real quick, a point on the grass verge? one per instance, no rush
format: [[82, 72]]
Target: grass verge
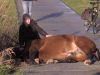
[[77, 5], [5, 69], [8, 23], [8, 28]]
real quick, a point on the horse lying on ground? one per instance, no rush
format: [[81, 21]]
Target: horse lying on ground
[[63, 48], [59, 48]]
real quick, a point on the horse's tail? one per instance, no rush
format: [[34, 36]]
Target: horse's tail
[[97, 54]]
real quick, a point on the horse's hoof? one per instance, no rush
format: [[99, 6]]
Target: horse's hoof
[[37, 61], [87, 62], [55, 61], [51, 61]]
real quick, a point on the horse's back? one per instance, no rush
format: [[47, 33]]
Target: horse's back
[[85, 44]]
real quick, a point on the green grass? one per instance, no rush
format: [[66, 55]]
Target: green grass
[[77, 5], [8, 15], [5, 69]]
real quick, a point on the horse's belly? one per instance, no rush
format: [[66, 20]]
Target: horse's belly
[[52, 55]]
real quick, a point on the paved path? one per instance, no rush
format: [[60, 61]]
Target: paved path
[[62, 69], [56, 18]]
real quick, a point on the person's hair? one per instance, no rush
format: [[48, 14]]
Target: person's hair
[[25, 16]]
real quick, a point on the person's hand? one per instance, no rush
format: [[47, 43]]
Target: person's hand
[[49, 35]]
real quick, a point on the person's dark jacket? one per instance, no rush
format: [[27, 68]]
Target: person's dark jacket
[[30, 33]]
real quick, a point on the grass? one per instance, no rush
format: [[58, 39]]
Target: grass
[[77, 5], [8, 28], [5, 69], [8, 23]]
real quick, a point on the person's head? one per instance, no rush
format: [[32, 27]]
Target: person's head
[[26, 19]]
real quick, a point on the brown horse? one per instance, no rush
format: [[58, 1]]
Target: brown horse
[[64, 48]]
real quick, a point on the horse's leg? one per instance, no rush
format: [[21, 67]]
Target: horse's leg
[[97, 54], [82, 57], [51, 61], [87, 62], [90, 59], [70, 58], [93, 57], [37, 61], [33, 55]]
